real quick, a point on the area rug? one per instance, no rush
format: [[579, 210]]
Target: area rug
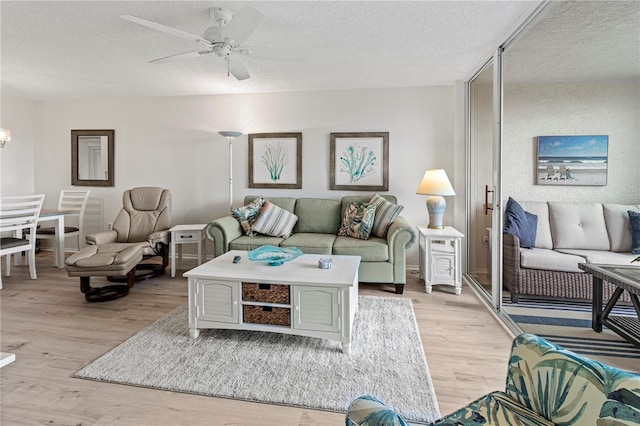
[[386, 360], [568, 324]]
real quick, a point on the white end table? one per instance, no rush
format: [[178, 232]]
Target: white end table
[[187, 234], [440, 261]]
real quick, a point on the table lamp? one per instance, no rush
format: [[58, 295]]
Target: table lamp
[[435, 183], [230, 135]]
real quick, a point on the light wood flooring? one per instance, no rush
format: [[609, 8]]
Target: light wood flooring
[[54, 332]]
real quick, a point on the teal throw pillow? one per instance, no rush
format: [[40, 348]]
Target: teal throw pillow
[[386, 213], [634, 218], [358, 220], [520, 223], [247, 215]]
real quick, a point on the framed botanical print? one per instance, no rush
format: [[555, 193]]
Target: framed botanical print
[[275, 160], [360, 161]]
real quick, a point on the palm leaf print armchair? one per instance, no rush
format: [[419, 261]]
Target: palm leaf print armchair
[[546, 385]]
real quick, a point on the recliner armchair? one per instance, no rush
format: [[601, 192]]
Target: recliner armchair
[[145, 218]]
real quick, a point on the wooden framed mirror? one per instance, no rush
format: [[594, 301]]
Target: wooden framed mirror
[[92, 157]]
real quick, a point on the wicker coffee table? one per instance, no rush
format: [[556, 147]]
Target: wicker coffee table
[[625, 278], [294, 298]]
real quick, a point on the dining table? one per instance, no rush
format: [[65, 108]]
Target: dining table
[[57, 216]]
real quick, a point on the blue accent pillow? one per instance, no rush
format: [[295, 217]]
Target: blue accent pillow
[[520, 223], [634, 218]]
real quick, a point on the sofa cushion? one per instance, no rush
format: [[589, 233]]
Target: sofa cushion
[[317, 215], [386, 213], [520, 223], [550, 260], [247, 214], [601, 256], [374, 249], [311, 243], [358, 221], [634, 220], [616, 218], [578, 226], [543, 229], [274, 221], [251, 243]]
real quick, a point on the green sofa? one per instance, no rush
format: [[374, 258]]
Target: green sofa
[[546, 385], [383, 260]]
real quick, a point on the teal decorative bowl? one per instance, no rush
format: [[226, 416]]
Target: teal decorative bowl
[[274, 256]]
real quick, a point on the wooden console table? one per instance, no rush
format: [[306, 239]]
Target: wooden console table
[[625, 278]]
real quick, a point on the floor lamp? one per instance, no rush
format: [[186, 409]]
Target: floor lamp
[[230, 137]]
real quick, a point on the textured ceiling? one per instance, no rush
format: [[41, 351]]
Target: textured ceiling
[[71, 49], [579, 41], [63, 50]]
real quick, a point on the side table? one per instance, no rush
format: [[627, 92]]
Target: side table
[[187, 234], [439, 257]]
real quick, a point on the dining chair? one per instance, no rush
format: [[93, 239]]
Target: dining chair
[[19, 214], [74, 201]]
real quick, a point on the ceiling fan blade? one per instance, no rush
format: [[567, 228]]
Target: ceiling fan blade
[[179, 56], [243, 24], [271, 53], [166, 29], [237, 69]]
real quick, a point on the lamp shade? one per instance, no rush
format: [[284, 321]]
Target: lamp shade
[[229, 134], [435, 182]]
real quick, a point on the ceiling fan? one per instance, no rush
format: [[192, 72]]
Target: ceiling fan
[[223, 39]]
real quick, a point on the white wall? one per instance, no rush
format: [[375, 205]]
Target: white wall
[[17, 157], [589, 108], [172, 142]]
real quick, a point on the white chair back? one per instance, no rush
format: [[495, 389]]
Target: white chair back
[[18, 218], [74, 201]]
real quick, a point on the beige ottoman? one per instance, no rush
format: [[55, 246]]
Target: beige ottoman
[[110, 260]]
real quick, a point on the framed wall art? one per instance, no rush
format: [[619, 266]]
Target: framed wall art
[[572, 160], [275, 160], [360, 161]]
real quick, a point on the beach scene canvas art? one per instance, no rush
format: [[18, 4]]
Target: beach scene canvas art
[[572, 160]]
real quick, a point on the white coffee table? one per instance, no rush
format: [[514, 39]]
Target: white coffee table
[[294, 298]]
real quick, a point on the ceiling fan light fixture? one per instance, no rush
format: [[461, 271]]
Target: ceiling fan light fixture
[[213, 34], [222, 49]]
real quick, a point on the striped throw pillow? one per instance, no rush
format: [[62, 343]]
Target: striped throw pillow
[[274, 221], [386, 213]]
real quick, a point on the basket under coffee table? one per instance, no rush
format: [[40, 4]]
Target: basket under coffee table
[[294, 298]]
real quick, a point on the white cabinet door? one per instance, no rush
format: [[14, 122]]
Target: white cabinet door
[[316, 308], [218, 301], [443, 268]]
